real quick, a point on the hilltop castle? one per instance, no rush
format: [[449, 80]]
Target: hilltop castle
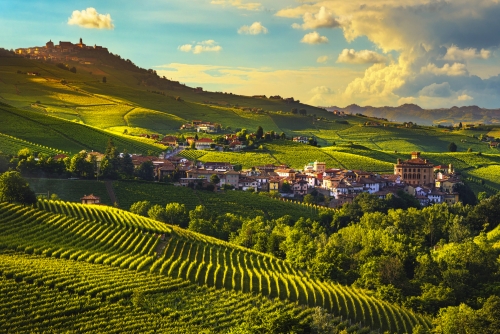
[[51, 51]]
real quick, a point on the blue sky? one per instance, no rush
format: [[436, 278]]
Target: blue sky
[[333, 52]]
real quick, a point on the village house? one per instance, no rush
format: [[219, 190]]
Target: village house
[[91, 199], [169, 141], [285, 173], [203, 143], [218, 166], [231, 178], [301, 139], [300, 188], [247, 182]]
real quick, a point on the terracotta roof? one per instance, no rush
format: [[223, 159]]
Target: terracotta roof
[[91, 196], [205, 140]]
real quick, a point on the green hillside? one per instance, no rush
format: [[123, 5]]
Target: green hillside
[[106, 243], [138, 101]]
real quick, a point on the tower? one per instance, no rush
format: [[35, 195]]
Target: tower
[[81, 42]]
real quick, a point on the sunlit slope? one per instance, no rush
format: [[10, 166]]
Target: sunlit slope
[[60, 134], [102, 235]]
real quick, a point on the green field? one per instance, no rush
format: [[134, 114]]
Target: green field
[[67, 254]]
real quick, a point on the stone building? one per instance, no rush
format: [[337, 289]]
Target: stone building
[[415, 171]]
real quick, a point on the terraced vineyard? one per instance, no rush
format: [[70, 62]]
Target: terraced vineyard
[[114, 243], [40, 293], [236, 202]]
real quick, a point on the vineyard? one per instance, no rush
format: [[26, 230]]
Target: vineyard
[[40, 294], [64, 135], [142, 257], [236, 202], [12, 145]]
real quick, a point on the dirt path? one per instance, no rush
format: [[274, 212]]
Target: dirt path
[[111, 192]]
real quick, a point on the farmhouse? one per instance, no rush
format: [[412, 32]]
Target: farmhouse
[[90, 199], [301, 139], [203, 143]]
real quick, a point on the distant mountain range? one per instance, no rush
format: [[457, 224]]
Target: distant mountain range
[[414, 113]]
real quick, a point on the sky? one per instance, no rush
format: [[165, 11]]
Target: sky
[[433, 53]]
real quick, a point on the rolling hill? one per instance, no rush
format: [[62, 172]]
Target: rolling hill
[[46, 250]]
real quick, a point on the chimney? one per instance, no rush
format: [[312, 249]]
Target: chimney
[[399, 161]]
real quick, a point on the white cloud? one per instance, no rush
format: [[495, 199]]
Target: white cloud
[[186, 47], [199, 47], [465, 97], [322, 59], [454, 53], [238, 4], [314, 38], [91, 19], [254, 29], [323, 19], [350, 56], [457, 69]]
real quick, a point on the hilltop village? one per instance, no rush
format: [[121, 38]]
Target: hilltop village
[[330, 186], [61, 51]]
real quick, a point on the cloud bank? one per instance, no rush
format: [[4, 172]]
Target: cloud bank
[[89, 18], [434, 42]]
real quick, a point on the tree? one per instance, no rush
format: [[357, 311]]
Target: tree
[[294, 111], [13, 188], [460, 125], [176, 214], [146, 171], [465, 193], [104, 80], [140, 208], [260, 132], [452, 147], [127, 166], [73, 69], [214, 179], [303, 112], [286, 187], [157, 212], [309, 199]]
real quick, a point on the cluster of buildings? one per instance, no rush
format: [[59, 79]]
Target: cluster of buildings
[[416, 176], [62, 51], [201, 126]]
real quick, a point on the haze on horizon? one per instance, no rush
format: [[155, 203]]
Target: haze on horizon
[[334, 52]]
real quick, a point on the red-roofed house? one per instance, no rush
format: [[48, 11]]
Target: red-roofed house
[[90, 199]]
